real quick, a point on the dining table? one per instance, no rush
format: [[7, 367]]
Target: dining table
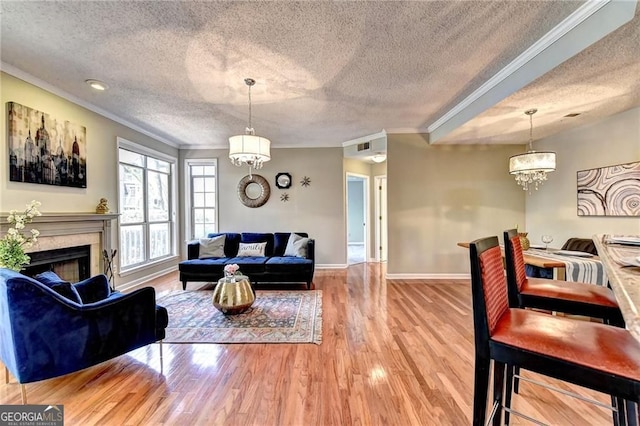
[[565, 267], [620, 256], [574, 266]]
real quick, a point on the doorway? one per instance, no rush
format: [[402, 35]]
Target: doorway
[[357, 218]]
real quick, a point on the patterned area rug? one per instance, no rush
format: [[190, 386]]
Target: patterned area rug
[[275, 317]]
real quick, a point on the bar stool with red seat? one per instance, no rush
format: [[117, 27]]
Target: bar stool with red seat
[[554, 295], [592, 355]]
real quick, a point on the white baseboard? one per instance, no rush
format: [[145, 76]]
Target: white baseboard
[[331, 266], [428, 276], [131, 285]]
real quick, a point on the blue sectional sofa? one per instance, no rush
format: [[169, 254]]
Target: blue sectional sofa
[[274, 266]]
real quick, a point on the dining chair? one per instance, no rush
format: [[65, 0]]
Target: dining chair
[[588, 354], [572, 298]]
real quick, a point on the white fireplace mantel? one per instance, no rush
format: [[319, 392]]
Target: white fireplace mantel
[[58, 230]]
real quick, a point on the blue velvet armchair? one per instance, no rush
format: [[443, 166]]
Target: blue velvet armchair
[[49, 327]]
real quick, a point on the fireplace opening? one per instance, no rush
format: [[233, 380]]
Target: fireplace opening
[[70, 263]]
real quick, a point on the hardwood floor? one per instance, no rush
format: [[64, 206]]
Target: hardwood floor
[[393, 353]]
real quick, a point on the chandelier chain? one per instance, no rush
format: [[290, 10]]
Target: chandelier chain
[[250, 126], [530, 123]]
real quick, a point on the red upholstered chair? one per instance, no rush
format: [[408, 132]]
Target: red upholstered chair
[[592, 355], [553, 295], [560, 296]]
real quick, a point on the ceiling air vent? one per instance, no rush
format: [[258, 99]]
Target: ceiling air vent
[[363, 146]]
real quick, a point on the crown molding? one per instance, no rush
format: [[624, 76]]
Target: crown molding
[[409, 276], [22, 75], [586, 25]]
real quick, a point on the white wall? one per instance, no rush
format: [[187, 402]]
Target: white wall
[[441, 195], [553, 210], [102, 156], [437, 195], [102, 160], [317, 209]]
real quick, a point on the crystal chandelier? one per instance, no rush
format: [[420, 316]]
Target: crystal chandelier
[[249, 149], [531, 168]]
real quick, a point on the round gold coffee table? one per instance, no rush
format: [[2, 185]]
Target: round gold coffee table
[[233, 294]]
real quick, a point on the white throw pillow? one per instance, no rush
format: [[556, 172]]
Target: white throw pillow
[[212, 247], [296, 246], [251, 249]]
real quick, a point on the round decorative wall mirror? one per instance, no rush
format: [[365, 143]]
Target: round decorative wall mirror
[[283, 180], [253, 191]]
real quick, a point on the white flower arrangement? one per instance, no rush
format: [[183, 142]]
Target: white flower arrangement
[[12, 245]]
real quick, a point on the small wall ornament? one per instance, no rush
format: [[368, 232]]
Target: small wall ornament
[[284, 197], [283, 180], [102, 207], [306, 181]]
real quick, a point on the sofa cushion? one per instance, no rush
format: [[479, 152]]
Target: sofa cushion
[[251, 249], [49, 278], [250, 264], [93, 289], [296, 246], [212, 247], [232, 239], [288, 264], [259, 237], [60, 286], [280, 240], [214, 265]]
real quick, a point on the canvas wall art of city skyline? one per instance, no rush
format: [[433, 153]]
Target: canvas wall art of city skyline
[[45, 149]]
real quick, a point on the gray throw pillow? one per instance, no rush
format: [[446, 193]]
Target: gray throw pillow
[[212, 247], [296, 246]]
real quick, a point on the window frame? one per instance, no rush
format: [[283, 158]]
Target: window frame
[[146, 223], [189, 225]]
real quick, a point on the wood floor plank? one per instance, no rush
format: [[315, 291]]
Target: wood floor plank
[[393, 353]]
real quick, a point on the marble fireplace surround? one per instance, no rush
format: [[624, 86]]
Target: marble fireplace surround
[[62, 230]]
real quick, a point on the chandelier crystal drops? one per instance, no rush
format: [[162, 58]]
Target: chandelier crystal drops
[[249, 149], [531, 168]]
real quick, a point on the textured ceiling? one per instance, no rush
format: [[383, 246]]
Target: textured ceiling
[[327, 72], [602, 80]]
